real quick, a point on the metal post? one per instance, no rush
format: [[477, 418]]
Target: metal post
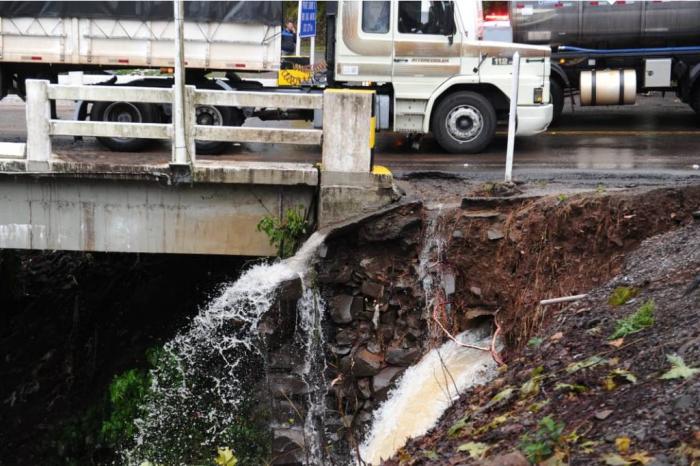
[[311, 54], [298, 41], [512, 119], [38, 124], [180, 151]]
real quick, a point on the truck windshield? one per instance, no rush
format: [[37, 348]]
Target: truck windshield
[[423, 17], [375, 16]]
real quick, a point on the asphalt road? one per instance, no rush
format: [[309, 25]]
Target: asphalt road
[[658, 138]]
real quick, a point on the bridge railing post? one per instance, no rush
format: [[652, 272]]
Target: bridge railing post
[[38, 124], [347, 131]]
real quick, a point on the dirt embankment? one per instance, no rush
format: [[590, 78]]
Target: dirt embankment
[[571, 393]]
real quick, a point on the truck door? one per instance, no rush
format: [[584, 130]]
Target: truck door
[[364, 44], [427, 49]]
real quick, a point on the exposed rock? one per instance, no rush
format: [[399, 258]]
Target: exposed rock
[[288, 445], [510, 459], [345, 337], [374, 347], [362, 364], [372, 289], [402, 357], [457, 234], [363, 388], [341, 308], [475, 290], [495, 233], [481, 214], [390, 226], [336, 273], [290, 290], [287, 384], [385, 378]]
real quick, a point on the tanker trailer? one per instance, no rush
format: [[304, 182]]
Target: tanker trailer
[[608, 52]]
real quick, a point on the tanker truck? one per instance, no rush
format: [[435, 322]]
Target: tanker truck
[[608, 52], [425, 59]]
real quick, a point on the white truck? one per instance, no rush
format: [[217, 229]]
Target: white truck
[[425, 59]]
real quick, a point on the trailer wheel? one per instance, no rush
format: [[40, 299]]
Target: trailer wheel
[[557, 93], [464, 122], [210, 115], [695, 99], [123, 112]]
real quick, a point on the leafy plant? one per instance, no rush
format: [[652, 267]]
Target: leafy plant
[[621, 295], [542, 444], [126, 393], [635, 322], [679, 369], [285, 234], [535, 342]]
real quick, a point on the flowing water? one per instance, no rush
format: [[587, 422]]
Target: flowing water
[[208, 373], [425, 391]]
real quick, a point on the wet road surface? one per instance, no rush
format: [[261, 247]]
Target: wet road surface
[[656, 139]]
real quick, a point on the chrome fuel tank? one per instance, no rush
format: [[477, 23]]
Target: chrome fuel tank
[[599, 24]]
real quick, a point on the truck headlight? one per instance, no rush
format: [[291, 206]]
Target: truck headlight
[[537, 95]]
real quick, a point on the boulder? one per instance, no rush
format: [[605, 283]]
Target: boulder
[[402, 357], [372, 289], [383, 380], [341, 308], [362, 363], [389, 227]]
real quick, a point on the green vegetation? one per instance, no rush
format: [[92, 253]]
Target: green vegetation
[[621, 295], [126, 392], [542, 444], [639, 320], [287, 234]]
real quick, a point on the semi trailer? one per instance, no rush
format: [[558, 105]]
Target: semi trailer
[[426, 60], [609, 52]]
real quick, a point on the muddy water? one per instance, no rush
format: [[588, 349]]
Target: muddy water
[[425, 391]]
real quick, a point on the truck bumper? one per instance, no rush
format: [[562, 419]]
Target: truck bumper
[[534, 119]]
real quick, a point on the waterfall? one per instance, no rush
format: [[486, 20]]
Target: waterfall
[[429, 387], [206, 372]]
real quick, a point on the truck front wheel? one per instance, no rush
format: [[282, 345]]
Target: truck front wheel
[[464, 122], [123, 112]]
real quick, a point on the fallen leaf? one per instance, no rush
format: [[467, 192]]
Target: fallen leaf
[[603, 414], [679, 370], [457, 426], [588, 446], [586, 363], [430, 454], [622, 444], [624, 374], [613, 459], [476, 450], [641, 457], [557, 459], [557, 336], [504, 394], [577, 388], [225, 457], [535, 342], [609, 384], [531, 387], [617, 343]]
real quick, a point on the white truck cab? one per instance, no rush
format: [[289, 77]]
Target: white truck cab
[[442, 78]]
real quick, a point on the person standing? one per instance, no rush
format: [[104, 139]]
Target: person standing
[[289, 38]]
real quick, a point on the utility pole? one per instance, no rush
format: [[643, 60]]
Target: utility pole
[[512, 118], [180, 155], [298, 37]]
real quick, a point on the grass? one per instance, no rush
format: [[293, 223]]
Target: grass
[[635, 322]]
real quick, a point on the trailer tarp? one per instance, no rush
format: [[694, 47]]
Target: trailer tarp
[[259, 12]]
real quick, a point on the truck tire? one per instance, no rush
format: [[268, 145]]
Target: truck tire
[[125, 112], [557, 93], [210, 115], [464, 122], [695, 99]]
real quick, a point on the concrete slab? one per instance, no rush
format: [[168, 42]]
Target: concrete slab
[[13, 150]]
